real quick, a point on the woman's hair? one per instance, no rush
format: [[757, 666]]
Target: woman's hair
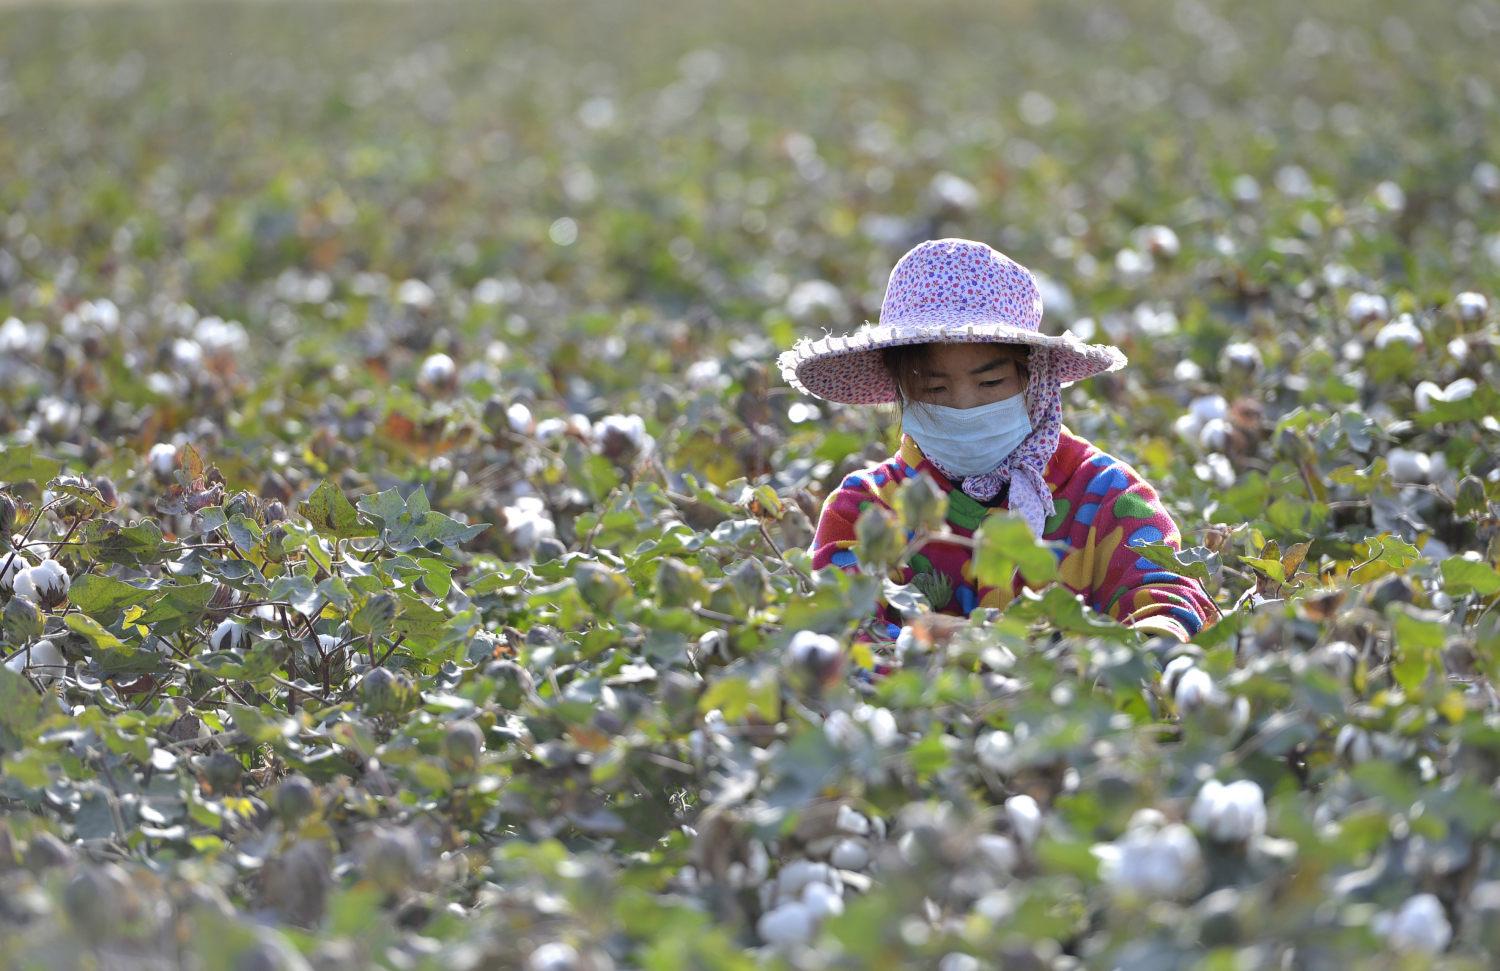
[[908, 364]]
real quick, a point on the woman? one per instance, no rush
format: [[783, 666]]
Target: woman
[[979, 387]]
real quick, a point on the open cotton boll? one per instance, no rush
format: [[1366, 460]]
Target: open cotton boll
[[1231, 813], [1363, 308], [1154, 863], [42, 660], [1025, 818], [11, 563], [1214, 435], [230, 635], [1402, 330], [1409, 466], [45, 584], [553, 956], [787, 925], [1353, 745], [1195, 689], [527, 523], [994, 750], [1471, 306], [1419, 926], [162, 459]]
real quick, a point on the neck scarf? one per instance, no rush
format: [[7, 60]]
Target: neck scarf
[[1025, 467]]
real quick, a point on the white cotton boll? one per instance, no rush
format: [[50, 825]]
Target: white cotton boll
[[437, 373], [1195, 689], [994, 750], [1186, 371], [959, 961], [220, 337], [851, 820], [162, 459], [1353, 745], [230, 635], [187, 354], [1154, 863], [1409, 466], [1025, 818], [813, 300], [954, 191], [1364, 308], [1229, 814], [1174, 670], [1245, 189], [788, 925], [881, 724], [11, 563], [1161, 242], [1215, 468], [849, 854], [822, 900], [1424, 394], [620, 436], [841, 730], [1460, 390], [1419, 926], [549, 428], [1402, 330], [998, 852], [1390, 196], [415, 293], [1241, 356], [43, 661], [1208, 407], [799, 873], [1471, 306], [706, 374], [527, 523], [1214, 435], [45, 584], [518, 416], [1131, 266], [554, 956], [1187, 427], [813, 651]]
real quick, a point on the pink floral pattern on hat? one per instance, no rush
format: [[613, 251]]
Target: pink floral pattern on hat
[[941, 290]]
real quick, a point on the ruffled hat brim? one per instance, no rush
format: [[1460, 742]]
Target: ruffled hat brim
[[847, 368]]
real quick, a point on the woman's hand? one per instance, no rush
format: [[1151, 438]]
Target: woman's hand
[[932, 629]]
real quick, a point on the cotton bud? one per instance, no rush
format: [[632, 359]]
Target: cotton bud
[[1161, 242], [1402, 330], [816, 656], [1419, 926], [162, 459], [462, 744], [385, 692], [97, 900], [391, 857], [1471, 501], [1025, 818], [1471, 306], [438, 375], [1353, 745], [294, 799], [878, 538], [231, 635], [599, 586], [42, 660], [1229, 814], [45, 584]]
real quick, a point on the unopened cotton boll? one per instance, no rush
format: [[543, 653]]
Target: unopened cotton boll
[[1025, 818], [230, 635], [1471, 306], [438, 373], [1419, 926], [1232, 813], [45, 584], [42, 660]]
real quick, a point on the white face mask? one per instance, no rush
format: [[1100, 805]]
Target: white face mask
[[968, 441]]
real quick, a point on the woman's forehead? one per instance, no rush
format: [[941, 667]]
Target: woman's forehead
[[964, 354]]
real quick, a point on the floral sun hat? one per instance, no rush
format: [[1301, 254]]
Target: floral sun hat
[[941, 290]]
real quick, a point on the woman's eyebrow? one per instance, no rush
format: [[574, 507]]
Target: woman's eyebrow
[[940, 375]]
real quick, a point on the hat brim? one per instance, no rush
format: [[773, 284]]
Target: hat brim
[[847, 368]]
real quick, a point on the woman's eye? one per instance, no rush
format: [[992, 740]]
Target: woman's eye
[[991, 384], [933, 390]]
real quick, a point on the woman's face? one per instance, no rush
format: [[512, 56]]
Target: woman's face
[[967, 375]]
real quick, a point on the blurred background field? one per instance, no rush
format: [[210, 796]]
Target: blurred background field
[[248, 233]]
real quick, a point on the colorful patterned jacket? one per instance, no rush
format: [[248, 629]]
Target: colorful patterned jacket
[[1103, 508]]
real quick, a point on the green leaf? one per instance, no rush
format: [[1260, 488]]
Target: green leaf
[[331, 513], [410, 523], [95, 633], [21, 710], [1004, 543], [21, 463], [177, 607], [105, 597], [1197, 562], [1461, 576], [135, 544]]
